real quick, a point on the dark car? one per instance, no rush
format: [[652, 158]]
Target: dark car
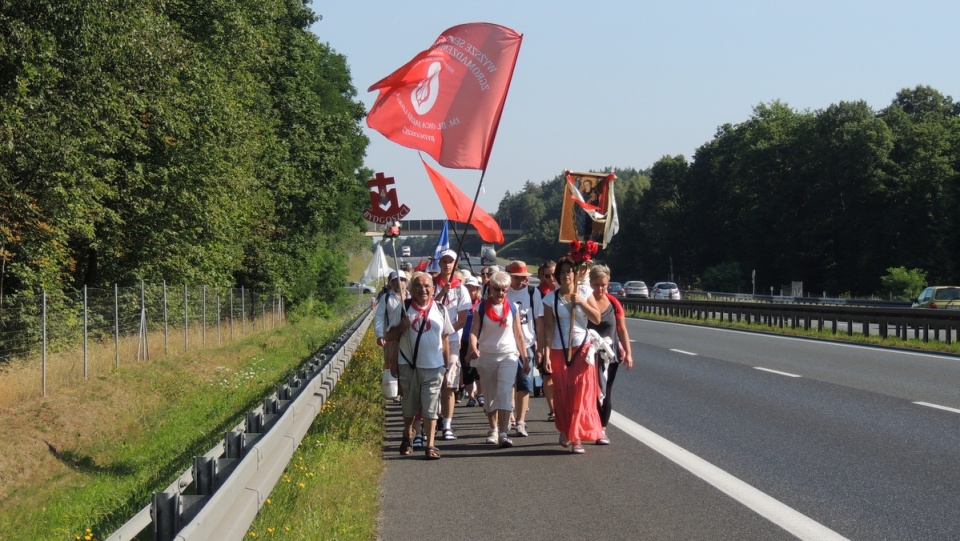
[[615, 289]]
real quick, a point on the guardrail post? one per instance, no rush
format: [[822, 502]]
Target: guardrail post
[[254, 422], [204, 475], [233, 444], [165, 509]]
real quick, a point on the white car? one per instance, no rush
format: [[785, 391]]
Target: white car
[[635, 289], [357, 288], [665, 290]]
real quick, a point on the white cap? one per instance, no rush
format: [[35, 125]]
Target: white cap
[[449, 253], [397, 274], [472, 281]]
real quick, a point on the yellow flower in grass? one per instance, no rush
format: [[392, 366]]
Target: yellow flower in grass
[[268, 500]]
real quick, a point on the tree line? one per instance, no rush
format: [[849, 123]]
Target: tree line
[[834, 198], [213, 142]]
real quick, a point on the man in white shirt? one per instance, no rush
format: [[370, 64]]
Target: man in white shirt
[[453, 296], [529, 307], [424, 357]]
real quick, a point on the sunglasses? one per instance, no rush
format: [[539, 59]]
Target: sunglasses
[[548, 275]]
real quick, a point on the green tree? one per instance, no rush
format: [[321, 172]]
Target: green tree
[[903, 284]]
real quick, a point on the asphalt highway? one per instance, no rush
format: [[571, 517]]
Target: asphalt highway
[[717, 434]]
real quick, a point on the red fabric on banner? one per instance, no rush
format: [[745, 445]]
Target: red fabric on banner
[[447, 101], [457, 206]]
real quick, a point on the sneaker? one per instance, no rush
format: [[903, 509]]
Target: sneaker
[[480, 400], [521, 430], [418, 441], [577, 449], [505, 441], [449, 435], [604, 440], [461, 392], [492, 436], [471, 402]]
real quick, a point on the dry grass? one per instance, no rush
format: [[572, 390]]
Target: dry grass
[[23, 379], [90, 453]]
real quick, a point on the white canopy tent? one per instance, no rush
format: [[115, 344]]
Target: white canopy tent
[[378, 267]]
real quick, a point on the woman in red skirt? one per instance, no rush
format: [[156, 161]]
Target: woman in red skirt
[[565, 354]]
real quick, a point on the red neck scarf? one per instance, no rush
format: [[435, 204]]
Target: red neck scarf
[[475, 303], [440, 282], [544, 289], [422, 314], [492, 314]]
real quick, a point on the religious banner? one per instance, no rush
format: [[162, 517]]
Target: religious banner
[[589, 209], [448, 100], [384, 206]]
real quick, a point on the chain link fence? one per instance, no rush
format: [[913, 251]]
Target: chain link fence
[[61, 338]]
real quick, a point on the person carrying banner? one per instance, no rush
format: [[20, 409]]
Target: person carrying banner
[[565, 354], [453, 296], [423, 333]]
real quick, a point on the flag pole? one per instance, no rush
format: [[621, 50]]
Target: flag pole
[[476, 196]]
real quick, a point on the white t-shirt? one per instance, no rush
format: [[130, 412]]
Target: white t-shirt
[[496, 340], [430, 351], [389, 309], [562, 314], [457, 300], [527, 313]]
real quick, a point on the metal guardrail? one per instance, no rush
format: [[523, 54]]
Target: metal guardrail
[[941, 325], [219, 497], [788, 299]]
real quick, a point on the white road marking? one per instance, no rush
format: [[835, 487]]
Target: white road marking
[[929, 405], [826, 343], [788, 374], [684, 352], [773, 510]]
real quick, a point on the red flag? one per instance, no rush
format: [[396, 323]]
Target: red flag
[[457, 206], [447, 101]]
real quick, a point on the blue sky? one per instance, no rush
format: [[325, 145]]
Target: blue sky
[[623, 83]]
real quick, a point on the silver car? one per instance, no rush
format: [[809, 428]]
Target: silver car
[[666, 290], [357, 288], [635, 289]]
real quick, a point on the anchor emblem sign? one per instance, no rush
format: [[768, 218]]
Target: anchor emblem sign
[[384, 207]]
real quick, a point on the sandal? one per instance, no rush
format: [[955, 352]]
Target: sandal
[[432, 453], [405, 447], [551, 416]]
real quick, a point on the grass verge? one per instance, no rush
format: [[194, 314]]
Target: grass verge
[[80, 463], [330, 490]]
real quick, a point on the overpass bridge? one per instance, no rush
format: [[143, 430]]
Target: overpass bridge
[[432, 228]]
